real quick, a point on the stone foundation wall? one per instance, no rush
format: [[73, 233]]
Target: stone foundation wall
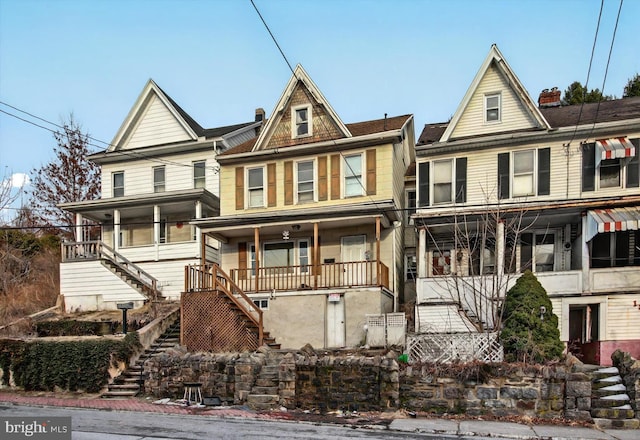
[[330, 381], [629, 368]]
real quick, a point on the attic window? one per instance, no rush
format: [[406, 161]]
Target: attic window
[[492, 108], [301, 121]]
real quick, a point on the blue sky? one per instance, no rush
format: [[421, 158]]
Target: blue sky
[[217, 61]]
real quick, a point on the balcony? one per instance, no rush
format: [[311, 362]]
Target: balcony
[[291, 278]]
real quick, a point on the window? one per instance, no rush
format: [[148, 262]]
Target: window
[[118, 184], [537, 251], [615, 249], [610, 173], [163, 230], [410, 265], [410, 205], [618, 172], [262, 303], [158, 179], [281, 257], [524, 173], [442, 181], [441, 263], [448, 182], [301, 125], [303, 256], [255, 177], [305, 184], [199, 175], [353, 175], [492, 108]]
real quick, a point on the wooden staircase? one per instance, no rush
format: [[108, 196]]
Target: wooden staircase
[[129, 383], [133, 279], [610, 403]]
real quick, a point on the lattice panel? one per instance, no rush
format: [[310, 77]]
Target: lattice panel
[[210, 323], [452, 347]]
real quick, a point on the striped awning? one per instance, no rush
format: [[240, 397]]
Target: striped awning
[[611, 220], [615, 148]]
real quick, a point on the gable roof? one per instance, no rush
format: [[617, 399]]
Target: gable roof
[[313, 95], [495, 58], [356, 129]]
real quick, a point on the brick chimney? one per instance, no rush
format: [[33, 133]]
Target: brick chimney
[[549, 98]]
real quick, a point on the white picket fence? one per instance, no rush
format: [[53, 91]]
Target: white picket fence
[[454, 347]]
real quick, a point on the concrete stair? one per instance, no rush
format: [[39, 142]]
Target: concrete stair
[[610, 403], [264, 394], [129, 383]]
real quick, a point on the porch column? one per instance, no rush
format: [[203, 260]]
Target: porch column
[[500, 250], [116, 230], [586, 285], [378, 260], [200, 240], [78, 227], [156, 230], [256, 240], [422, 249], [316, 263]]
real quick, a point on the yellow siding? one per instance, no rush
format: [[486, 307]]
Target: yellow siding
[[156, 126], [514, 115], [622, 317]]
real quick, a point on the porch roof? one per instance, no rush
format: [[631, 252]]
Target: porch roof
[[100, 210], [225, 227]]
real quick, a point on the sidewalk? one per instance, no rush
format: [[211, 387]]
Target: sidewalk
[[479, 428]]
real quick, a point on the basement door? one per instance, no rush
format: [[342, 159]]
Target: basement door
[[353, 249], [335, 321]]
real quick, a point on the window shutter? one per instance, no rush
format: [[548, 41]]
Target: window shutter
[[335, 176], [242, 261], [423, 184], [633, 167], [371, 172], [461, 180], [322, 178], [589, 167], [239, 188], [544, 171], [288, 183], [271, 184], [503, 175], [526, 251]]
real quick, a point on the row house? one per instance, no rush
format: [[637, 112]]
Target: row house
[[311, 218], [508, 185], [159, 173]]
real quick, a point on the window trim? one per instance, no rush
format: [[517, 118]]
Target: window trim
[[488, 96], [249, 189], [314, 182], [294, 121], [159, 186], [115, 190], [196, 166], [347, 169]]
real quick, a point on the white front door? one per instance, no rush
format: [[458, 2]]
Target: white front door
[[335, 321], [353, 248]]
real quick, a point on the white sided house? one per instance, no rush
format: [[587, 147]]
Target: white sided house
[[158, 174], [508, 185]]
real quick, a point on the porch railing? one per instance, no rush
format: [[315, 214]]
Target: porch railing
[[327, 275], [97, 250], [200, 278]]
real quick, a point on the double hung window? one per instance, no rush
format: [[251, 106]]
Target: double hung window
[[118, 184], [255, 187], [353, 184], [442, 181], [301, 125], [158, 179], [492, 106], [199, 174], [524, 173], [305, 181]]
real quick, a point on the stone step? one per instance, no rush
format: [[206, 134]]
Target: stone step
[[613, 413], [617, 424], [262, 382], [121, 394], [610, 401], [262, 402], [610, 390], [607, 381], [124, 387], [268, 390]]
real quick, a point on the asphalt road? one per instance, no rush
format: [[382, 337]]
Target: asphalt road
[[111, 425]]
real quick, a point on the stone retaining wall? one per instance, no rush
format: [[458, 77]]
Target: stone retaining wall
[[630, 372], [329, 381]]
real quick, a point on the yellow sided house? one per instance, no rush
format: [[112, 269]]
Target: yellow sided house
[[508, 185], [158, 174], [310, 222]]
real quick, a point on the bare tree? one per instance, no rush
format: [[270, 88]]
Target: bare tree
[[69, 177]]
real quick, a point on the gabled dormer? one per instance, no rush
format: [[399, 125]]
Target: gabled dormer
[[496, 102], [155, 119], [301, 116]]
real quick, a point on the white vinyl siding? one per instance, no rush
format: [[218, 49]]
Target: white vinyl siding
[[514, 116], [156, 126], [178, 175], [620, 316]]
